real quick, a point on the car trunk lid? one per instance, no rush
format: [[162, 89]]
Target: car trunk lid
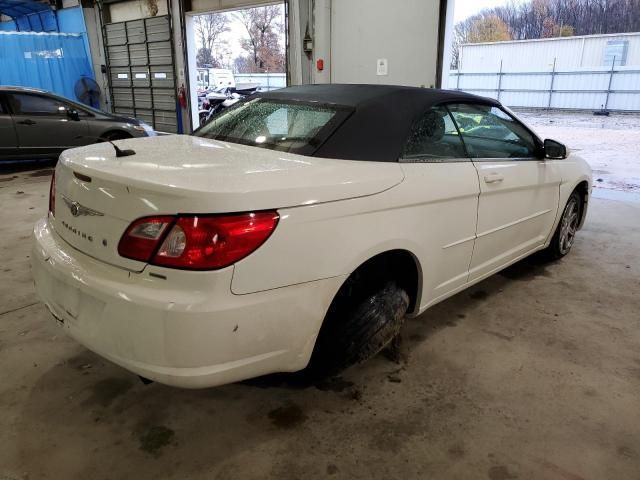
[[98, 194]]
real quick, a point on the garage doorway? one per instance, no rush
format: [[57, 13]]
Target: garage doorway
[[236, 51], [141, 70]]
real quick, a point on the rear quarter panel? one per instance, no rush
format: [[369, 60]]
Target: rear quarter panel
[[431, 214]]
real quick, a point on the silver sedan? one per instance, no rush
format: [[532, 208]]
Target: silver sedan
[[38, 124]]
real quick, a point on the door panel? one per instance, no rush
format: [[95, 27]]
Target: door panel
[[445, 186], [8, 138], [42, 124], [518, 192], [517, 208], [49, 133], [445, 213]]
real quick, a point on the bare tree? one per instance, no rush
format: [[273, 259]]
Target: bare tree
[[264, 29], [208, 29]]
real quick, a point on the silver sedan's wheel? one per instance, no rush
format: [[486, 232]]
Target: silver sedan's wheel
[[569, 226]]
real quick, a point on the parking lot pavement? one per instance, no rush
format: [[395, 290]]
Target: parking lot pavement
[[609, 144], [534, 373]]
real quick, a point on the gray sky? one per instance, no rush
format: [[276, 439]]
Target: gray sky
[[466, 8]]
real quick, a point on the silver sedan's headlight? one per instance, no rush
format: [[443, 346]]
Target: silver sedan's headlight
[[143, 127]]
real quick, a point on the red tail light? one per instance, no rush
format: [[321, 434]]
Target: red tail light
[[196, 242], [140, 241], [52, 195]]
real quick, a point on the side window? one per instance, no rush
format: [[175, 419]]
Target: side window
[[31, 104], [490, 132], [434, 137]]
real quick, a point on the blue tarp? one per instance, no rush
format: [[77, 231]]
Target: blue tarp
[[30, 15], [50, 61]]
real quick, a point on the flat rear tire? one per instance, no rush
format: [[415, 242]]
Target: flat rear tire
[[362, 321]]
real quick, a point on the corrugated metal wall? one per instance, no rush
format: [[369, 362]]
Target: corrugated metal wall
[[585, 89], [566, 73], [538, 55]]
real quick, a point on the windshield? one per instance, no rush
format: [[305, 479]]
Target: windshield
[[283, 125]]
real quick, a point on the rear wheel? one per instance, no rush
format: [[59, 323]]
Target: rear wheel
[[363, 319], [565, 233]]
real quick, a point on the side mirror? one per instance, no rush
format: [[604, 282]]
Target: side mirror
[[73, 114], [554, 150]]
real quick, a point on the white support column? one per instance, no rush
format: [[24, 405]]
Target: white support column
[[448, 42], [94, 35], [321, 41], [295, 43], [193, 68]]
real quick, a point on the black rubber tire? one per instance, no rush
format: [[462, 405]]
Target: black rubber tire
[[361, 322], [555, 251]]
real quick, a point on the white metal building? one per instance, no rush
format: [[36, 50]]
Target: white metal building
[[570, 53], [585, 73]]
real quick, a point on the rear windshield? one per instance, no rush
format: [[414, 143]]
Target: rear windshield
[[289, 126]]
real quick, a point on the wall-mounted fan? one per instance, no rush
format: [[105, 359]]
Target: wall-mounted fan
[[88, 92]]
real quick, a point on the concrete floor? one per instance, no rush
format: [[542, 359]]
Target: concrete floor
[[533, 374]]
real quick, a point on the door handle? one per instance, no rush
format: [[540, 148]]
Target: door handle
[[27, 122], [493, 178]]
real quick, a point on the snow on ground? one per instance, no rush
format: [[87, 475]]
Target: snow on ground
[[611, 144]]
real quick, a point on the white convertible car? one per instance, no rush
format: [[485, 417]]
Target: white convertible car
[[297, 229]]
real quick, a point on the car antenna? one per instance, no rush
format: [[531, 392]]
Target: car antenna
[[119, 152]]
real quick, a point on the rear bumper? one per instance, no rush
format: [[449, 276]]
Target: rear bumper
[[187, 330]]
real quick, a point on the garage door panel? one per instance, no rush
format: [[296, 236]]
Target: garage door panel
[[120, 77], [123, 97], [140, 77], [146, 115], [158, 29], [166, 122], [118, 56], [164, 99], [160, 53], [162, 76], [127, 112], [135, 31], [142, 97], [116, 34], [138, 54]]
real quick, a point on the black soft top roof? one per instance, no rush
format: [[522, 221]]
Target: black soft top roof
[[381, 118]]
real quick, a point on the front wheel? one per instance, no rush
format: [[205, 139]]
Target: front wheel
[[565, 233]]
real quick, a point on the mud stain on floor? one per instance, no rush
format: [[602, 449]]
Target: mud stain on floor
[[335, 384], [502, 336], [479, 295], [527, 269], [290, 416], [500, 472], [155, 438], [106, 391]]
